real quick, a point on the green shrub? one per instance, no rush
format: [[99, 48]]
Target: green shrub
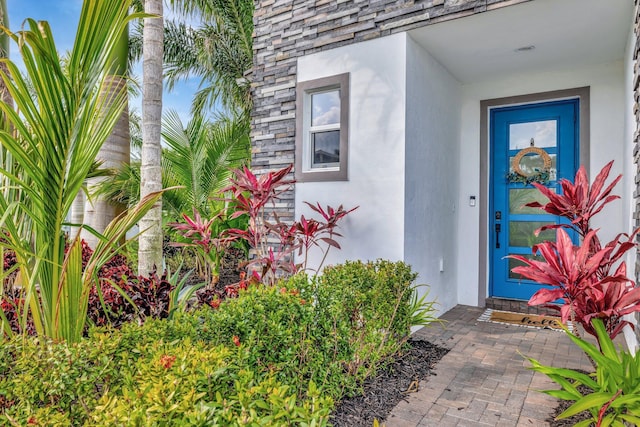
[[276, 355], [367, 307], [155, 374], [347, 321], [273, 327], [167, 385], [44, 379]]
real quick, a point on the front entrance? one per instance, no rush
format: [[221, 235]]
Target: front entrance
[[536, 142]]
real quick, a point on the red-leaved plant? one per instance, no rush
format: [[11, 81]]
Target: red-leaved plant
[[272, 240], [590, 278], [199, 235], [118, 296]]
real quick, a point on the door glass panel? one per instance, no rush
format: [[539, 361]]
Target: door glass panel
[[519, 197], [516, 263], [521, 233], [544, 134], [533, 163]]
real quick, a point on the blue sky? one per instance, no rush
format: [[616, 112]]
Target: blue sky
[[63, 17]]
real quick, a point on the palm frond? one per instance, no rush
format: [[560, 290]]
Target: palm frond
[[57, 134], [198, 157], [220, 52], [180, 53], [123, 186]]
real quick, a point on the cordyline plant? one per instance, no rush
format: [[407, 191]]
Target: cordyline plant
[[198, 233], [590, 278], [206, 237], [272, 240]]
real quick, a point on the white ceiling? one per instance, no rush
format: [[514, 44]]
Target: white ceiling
[[565, 33]]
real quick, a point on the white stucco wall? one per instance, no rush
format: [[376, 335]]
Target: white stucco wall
[[431, 179], [414, 156], [376, 149], [607, 129]]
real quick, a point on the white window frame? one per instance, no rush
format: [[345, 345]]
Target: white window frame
[[305, 170]]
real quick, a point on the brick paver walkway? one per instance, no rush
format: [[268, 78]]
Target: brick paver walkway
[[484, 380]]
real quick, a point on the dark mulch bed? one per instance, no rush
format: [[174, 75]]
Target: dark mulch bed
[[230, 267], [562, 406], [383, 392]]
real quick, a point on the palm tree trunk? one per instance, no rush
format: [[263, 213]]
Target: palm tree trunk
[[98, 211], [5, 96], [150, 242]]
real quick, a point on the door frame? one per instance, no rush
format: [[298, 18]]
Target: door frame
[[583, 95]]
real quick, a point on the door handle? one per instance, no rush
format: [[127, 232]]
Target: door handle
[[498, 216]]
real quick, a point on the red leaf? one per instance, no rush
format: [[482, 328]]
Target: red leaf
[[330, 242], [545, 295]]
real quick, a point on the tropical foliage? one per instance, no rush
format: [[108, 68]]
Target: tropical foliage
[[275, 242], [197, 158], [57, 134], [215, 45], [613, 396], [220, 52], [592, 281], [274, 355], [590, 278], [203, 237]]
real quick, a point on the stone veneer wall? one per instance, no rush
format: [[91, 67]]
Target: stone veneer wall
[[636, 136], [288, 29]]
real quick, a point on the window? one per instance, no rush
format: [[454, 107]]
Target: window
[[322, 110]]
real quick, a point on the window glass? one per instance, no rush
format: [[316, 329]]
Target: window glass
[[326, 148], [322, 129], [325, 108]]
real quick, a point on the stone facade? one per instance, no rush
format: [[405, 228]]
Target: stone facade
[[636, 110], [636, 136], [288, 29]]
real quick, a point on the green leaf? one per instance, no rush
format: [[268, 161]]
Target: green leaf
[[606, 343], [73, 297], [626, 400], [631, 419], [65, 115], [559, 374], [563, 394], [590, 349], [588, 402]]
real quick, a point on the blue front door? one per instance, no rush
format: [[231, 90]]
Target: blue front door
[[528, 142]]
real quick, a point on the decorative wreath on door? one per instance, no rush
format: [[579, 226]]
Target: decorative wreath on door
[[538, 175]]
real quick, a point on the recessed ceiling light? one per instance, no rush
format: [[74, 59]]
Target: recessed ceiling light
[[525, 48]]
